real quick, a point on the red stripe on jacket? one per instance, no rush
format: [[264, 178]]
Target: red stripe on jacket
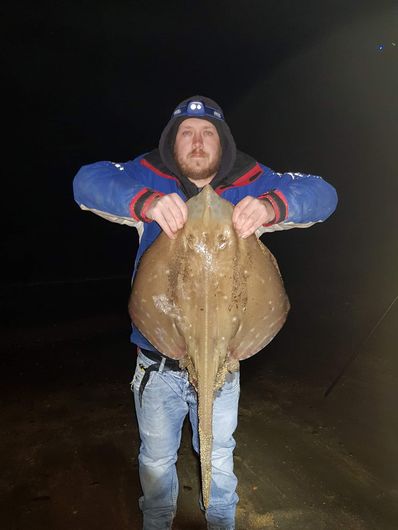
[[145, 163], [241, 181]]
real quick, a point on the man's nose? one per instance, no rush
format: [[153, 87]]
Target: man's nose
[[197, 140]]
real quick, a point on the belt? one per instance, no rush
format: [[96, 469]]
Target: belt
[[159, 361]]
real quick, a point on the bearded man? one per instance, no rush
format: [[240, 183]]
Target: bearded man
[[196, 148]]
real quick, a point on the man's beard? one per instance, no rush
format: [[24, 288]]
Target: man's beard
[[194, 171]]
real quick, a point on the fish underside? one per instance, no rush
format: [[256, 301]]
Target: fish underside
[[209, 299]]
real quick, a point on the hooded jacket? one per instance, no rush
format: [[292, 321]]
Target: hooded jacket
[[123, 192]]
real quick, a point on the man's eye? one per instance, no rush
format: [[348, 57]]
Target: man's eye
[[209, 133], [186, 133]]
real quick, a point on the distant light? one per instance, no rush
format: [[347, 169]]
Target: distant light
[[380, 47]]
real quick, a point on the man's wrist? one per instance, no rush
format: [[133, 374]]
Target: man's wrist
[[142, 203], [279, 204], [270, 211]]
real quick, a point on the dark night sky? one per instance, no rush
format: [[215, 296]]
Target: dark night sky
[[304, 88]]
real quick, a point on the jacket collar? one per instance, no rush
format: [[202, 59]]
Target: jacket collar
[[244, 171]]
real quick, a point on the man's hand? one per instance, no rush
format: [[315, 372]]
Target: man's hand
[[170, 212], [251, 213]]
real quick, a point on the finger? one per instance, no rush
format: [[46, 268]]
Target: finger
[[240, 221], [180, 210], [240, 207], [240, 216], [247, 213], [165, 226], [173, 209], [253, 206], [258, 213], [170, 215], [258, 216], [169, 211], [248, 231]]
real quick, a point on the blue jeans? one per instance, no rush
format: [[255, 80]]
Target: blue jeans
[[167, 399]]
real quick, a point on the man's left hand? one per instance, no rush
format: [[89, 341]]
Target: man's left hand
[[251, 213]]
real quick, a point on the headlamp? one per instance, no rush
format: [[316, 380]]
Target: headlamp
[[197, 108]]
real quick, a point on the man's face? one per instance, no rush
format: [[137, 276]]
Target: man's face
[[197, 150]]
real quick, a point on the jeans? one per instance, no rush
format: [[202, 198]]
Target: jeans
[[167, 399]]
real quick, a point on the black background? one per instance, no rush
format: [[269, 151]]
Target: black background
[[305, 86]]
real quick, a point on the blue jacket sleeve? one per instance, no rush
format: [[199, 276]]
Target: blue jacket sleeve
[[299, 198], [114, 189]]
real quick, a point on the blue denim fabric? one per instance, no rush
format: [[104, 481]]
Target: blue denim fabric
[[168, 397]]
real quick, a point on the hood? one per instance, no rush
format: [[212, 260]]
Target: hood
[[206, 109]]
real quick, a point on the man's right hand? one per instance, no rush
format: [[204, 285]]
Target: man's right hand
[[170, 212]]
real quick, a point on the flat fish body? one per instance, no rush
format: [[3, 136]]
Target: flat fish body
[[209, 299]]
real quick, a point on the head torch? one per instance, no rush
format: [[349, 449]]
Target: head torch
[[197, 109]]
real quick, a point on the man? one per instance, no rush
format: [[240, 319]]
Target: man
[[196, 148]]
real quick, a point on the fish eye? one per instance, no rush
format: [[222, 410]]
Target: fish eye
[[190, 238], [222, 241]]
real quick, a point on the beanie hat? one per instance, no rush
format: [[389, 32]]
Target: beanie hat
[[205, 109]]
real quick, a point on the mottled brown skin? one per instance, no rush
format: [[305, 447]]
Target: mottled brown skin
[[209, 299]]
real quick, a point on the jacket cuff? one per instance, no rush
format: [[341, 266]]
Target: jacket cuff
[[141, 202], [279, 204]]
